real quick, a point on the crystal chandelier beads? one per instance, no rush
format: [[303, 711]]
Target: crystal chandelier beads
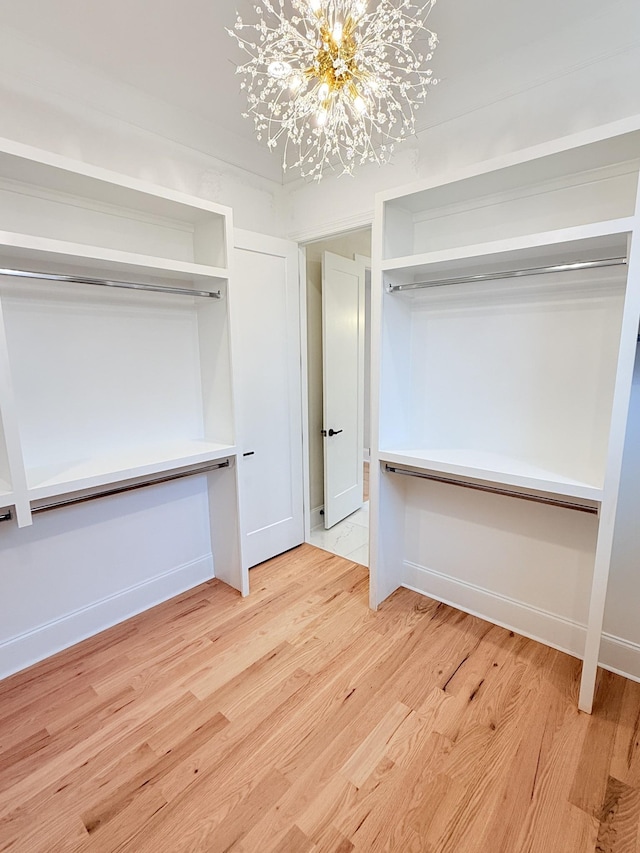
[[337, 83]]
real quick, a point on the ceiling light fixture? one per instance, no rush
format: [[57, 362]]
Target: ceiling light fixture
[[338, 83]]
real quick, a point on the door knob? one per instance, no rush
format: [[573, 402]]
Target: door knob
[[335, 431]]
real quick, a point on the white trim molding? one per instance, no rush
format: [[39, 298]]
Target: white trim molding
[[20, 652], [543, 626]]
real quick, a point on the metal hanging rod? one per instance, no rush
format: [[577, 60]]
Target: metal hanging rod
[[521, 273], [118, 490], [480, 487], [104, 282]]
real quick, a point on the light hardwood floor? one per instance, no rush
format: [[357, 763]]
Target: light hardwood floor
[[296, 720]]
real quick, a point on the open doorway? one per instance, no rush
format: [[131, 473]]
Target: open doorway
[[331, 444]]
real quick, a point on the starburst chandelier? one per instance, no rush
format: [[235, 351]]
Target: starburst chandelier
[[338, 83]]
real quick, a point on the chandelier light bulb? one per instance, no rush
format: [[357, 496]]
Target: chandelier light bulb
[[336, 82], [323, 92], [359, 104]]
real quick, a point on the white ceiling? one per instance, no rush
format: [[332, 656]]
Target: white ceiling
[[177, 52]]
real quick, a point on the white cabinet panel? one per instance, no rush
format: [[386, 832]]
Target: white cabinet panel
[[268, 381]]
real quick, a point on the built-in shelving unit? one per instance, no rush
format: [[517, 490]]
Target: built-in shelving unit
[[110, 384], [504, 335]]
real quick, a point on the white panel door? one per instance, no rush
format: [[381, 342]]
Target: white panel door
[[266, 350], [343, 316]]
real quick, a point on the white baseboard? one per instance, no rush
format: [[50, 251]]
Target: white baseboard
[[621, 656], [26, 649], [317, 517], [617, 655], [545, 627], [17, 653]]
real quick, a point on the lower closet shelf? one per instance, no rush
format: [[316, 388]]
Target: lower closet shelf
[[59, 479], [494, 468]]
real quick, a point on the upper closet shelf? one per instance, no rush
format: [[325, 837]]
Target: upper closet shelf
[[6, 493], [59, 479], [494, 468], [49, 204], [25, 164], [40, 254], [584, 154], [599, 240]]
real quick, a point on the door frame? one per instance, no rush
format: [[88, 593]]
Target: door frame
[[327, 233]]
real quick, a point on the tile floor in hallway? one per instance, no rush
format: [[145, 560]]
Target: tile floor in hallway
[[349, 538]]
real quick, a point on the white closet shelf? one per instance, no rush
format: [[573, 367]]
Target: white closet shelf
[[584, 242], [60, 478], [6, 492], [580, 155], [58, 256], [492, 467], [44, 169]]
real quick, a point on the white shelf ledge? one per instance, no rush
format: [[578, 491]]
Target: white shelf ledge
[[583, 242], [584, 151], [29, 165], [6, 492], [48, 255], [494, 468], [61, 478]]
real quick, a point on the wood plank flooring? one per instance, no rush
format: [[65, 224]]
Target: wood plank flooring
[[297, 720]]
